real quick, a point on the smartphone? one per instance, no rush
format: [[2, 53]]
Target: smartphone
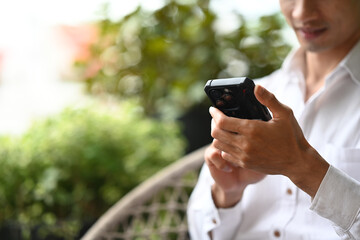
[[235, 98]]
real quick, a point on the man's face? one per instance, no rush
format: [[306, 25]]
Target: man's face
[[323, 25]]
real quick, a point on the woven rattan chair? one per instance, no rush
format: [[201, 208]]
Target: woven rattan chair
[[156, 209]]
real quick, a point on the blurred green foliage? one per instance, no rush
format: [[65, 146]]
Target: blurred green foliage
[[75, 165], [165, 57]]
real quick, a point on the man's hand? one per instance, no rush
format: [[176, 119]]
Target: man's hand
[[230, 180], [274, 147]]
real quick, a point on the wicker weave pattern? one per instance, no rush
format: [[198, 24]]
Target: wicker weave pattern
[[154, 210]]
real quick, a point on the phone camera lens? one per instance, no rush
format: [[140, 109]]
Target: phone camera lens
[[220, 103], [215, 93], [227, 97]]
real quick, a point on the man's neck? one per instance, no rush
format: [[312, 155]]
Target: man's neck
[[318, 66]]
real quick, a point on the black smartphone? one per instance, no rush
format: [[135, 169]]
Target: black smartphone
[[235, 98]]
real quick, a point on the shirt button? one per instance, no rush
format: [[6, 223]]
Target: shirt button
[[289, 191], [277, 233], [214, 221]]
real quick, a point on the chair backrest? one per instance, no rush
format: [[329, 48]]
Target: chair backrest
[[156, 209]]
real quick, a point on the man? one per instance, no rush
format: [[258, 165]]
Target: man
[[298, 175]]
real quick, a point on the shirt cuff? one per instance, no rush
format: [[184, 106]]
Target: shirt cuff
[[338, 198], [204, 217], [222, 222]]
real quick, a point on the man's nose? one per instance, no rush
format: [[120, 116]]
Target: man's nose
[[305, 10]]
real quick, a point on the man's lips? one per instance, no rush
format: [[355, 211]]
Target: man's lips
[[311, 33]]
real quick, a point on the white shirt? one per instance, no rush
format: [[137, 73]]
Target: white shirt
[[275, 208]]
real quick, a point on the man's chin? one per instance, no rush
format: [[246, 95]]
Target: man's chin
[[313, 47]]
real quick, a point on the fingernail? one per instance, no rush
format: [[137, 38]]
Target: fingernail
[[211, 109], [227, 169]]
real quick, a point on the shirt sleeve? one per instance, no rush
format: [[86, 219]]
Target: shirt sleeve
[[338, 199], [203, 216]]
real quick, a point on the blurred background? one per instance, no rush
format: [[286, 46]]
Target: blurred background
[[98, 95]]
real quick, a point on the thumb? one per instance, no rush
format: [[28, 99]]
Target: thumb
[[269, 100]]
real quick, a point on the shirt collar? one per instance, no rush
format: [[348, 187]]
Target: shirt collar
[[351, 63]]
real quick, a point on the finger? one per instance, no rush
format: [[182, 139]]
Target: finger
[[213, 159], [229, 124], [269, 100], [213, 125], [235, 162], [233, 155], [230, 138], [227, 148]]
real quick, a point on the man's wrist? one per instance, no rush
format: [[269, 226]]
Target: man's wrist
[[309, 176], [226, 199]]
